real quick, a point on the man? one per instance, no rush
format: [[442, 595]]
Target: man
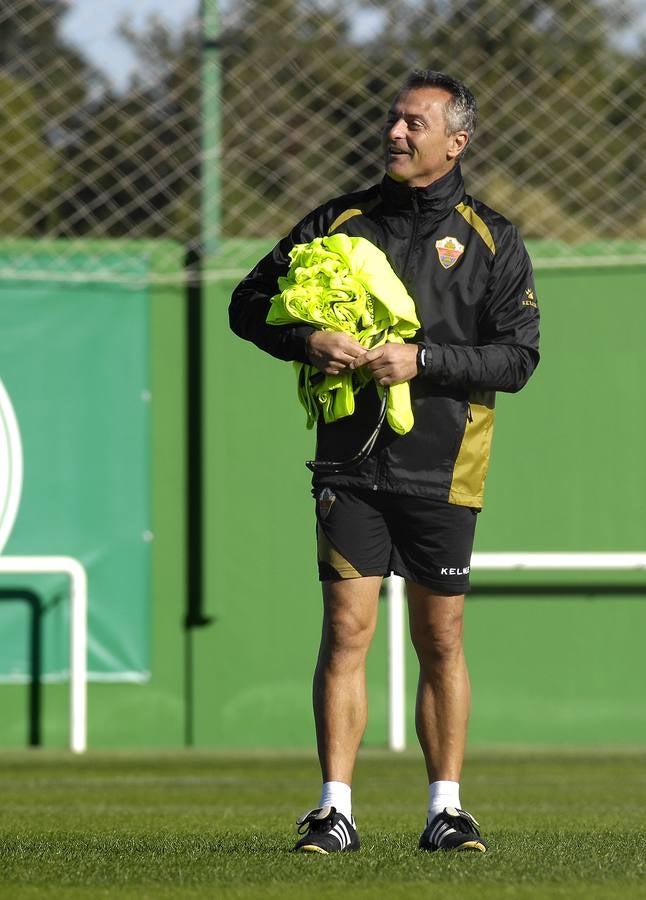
[[411, 506]]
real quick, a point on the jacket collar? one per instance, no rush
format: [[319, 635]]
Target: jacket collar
[[434, 200]]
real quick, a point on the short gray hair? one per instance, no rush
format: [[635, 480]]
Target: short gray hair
[[461, 112]]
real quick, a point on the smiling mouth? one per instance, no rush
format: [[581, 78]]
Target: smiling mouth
[[396, 152]]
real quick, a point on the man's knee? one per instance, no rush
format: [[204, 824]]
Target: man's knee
[[347, 630], [437, 627], [350, 614], [343, 643]]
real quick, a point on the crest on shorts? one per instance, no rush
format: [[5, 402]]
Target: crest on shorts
[[326, 502], [449, 250]]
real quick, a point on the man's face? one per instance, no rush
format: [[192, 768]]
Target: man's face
[[417, 148]]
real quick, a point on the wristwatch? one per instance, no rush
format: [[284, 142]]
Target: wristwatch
[[424, 359]]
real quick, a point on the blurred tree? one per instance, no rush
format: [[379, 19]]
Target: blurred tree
[[43, 81], [135, 157], [26, 163], [293, 115], [304, 94], [560, 106], [33, 51], [132, 161], [305, 84]]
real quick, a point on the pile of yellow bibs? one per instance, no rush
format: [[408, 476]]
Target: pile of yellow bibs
[[343, 283]]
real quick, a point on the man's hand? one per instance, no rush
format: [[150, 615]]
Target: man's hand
[[390, 363], [331, 351]]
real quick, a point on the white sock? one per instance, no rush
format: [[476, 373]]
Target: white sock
[[339, 795], [442, 794]]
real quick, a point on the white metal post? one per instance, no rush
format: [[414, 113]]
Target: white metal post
[[396, 664], [556, 561], [490, 561], [78, 657], [66, 565]]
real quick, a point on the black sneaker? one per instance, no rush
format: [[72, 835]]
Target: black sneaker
[[326, 831], [452, 829]]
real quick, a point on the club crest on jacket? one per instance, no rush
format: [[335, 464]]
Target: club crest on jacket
[[449, 250]]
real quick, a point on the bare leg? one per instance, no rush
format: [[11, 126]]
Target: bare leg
[[443, 692], [339, 690]]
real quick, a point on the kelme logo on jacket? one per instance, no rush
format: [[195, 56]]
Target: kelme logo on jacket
[[449, 250], [529, 299]]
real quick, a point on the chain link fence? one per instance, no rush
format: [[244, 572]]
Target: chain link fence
[[302, 90]]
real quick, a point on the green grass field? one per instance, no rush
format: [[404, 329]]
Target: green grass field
[[207, 825]]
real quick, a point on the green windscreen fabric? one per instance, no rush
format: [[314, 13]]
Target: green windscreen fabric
[[74, 362]]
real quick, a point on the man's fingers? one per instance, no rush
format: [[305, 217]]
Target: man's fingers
[[332, 349], [366, 357], [353, 349], [390, 363], [334, 352]]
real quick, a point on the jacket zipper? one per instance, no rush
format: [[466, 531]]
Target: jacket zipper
[[409, 249], [413, 233]]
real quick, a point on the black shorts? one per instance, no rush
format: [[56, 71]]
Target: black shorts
[[362, 532]]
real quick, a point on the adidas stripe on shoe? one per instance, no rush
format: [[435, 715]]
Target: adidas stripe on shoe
[[326, 831], [452, 829]]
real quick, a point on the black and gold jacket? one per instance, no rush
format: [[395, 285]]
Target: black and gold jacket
[[469, 273]]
